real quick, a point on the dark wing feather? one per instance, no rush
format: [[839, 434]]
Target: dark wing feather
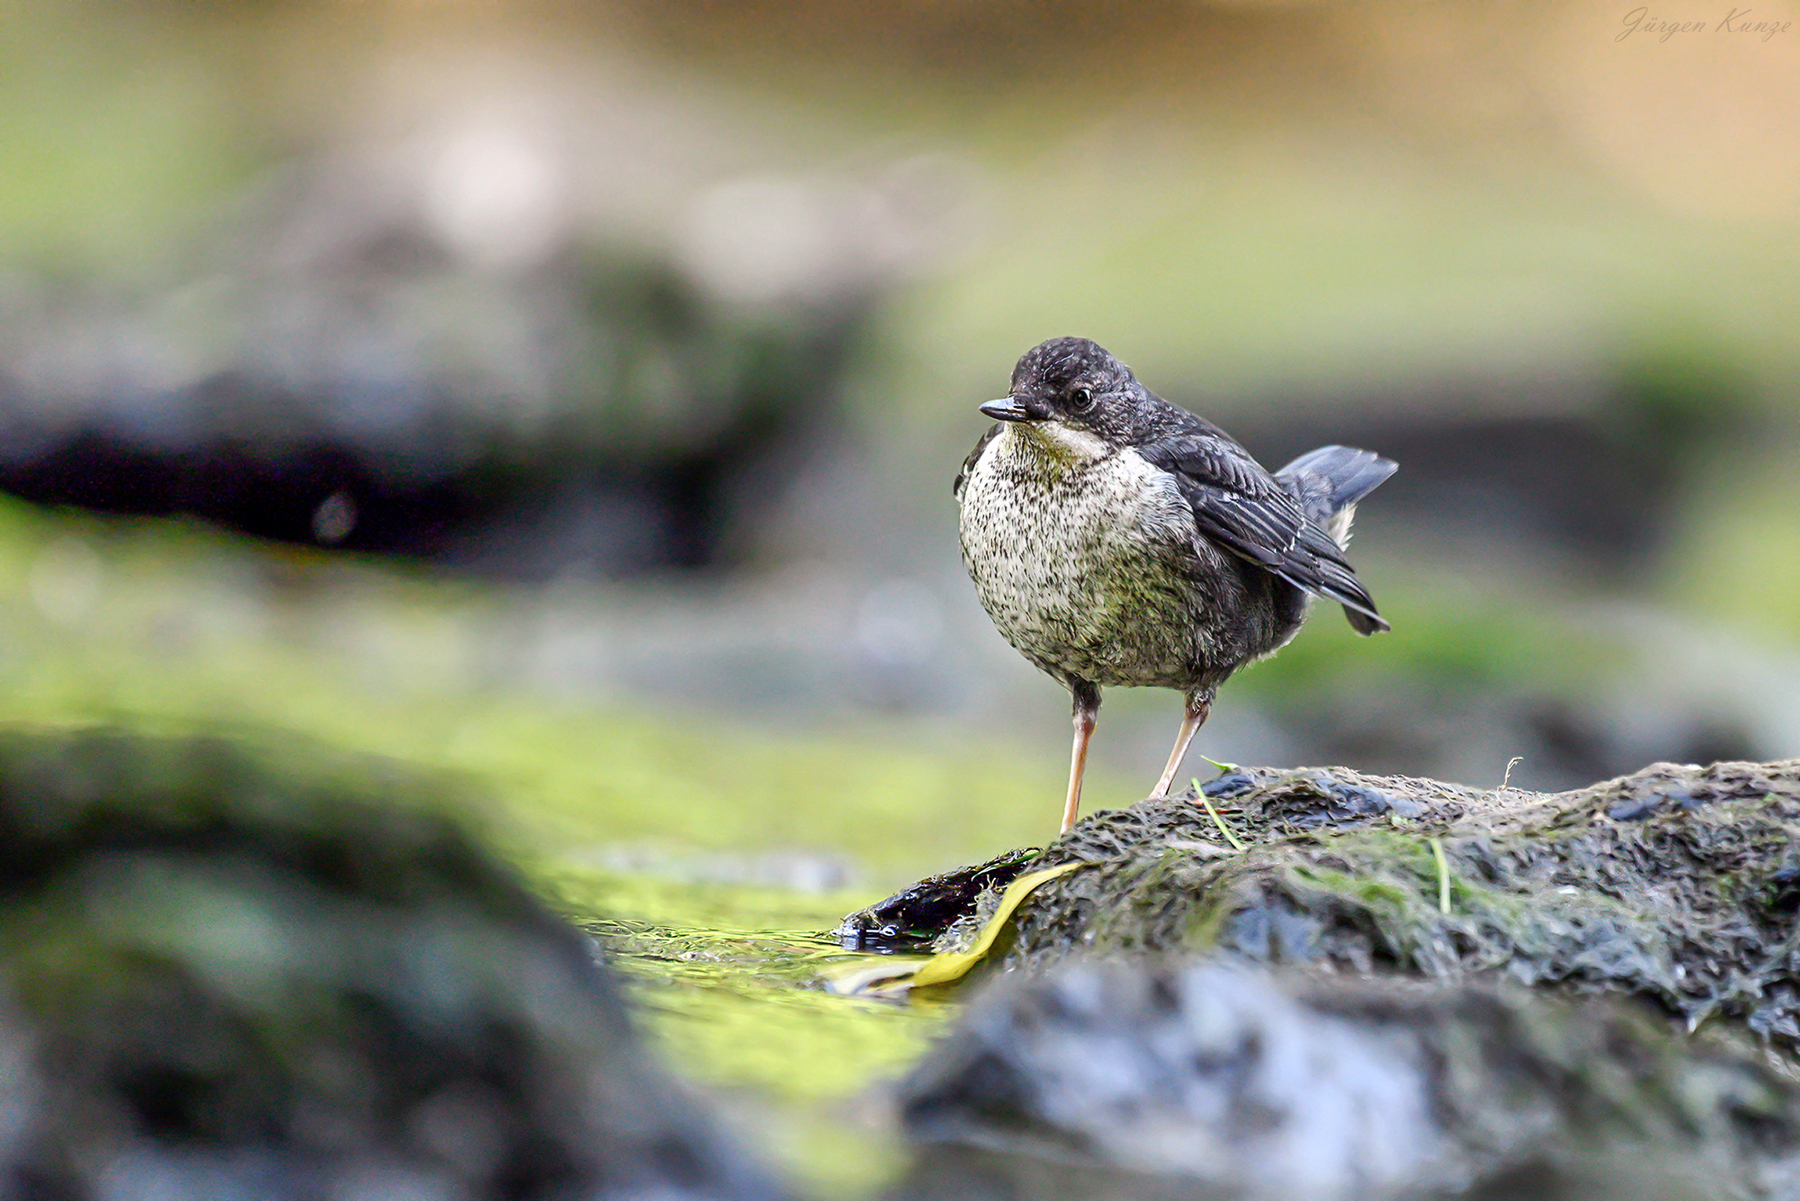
[[1241, 507], [968, 464]]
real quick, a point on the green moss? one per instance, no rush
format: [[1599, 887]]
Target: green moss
[[1376, 892], [163, 623]]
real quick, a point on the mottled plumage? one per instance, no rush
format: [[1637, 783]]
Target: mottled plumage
[[1116, 539]]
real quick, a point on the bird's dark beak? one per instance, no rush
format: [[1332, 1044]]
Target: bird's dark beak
[[1008, 408]]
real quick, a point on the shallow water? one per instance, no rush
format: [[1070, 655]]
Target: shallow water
[[728, 981]]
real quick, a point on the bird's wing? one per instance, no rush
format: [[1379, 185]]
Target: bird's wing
[[968, 465], [1240, 506]]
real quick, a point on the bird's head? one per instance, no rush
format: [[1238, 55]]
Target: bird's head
[[1071, 392]]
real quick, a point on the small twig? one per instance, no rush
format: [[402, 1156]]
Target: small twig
[[1218, 821], [1510, 764], [1443, 873]]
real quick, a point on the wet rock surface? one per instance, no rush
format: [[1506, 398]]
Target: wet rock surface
[[1158, 1080], [234, 972], [913, 918], [1678, 884]]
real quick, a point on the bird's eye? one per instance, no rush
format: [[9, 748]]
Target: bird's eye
[[1082, 399]]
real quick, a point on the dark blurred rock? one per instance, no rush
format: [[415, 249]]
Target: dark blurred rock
[[338, 366], [1147, 1081], [1559, 481], [238, 974], [1587, 467]]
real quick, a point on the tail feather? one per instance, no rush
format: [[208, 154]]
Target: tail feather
[[1331, 479], [1328, 482]]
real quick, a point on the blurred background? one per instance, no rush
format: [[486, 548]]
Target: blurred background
[[570, 393]]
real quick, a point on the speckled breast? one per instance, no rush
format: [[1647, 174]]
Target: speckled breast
[[1087, 569]]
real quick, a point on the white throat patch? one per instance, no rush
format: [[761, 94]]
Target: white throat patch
[[1059, 441]]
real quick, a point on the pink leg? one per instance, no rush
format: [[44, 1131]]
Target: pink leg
[[1192, 718], [1087, 712]]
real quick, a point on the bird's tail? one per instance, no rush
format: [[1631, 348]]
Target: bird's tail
[[1328, 482]]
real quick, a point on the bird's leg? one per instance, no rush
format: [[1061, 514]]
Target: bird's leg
[[1087, 712], [1192, 718]]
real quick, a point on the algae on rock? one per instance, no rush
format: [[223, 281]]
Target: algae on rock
[[1678, 883]]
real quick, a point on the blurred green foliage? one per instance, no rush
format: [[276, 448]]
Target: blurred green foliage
[[121, 132], [166, 623]]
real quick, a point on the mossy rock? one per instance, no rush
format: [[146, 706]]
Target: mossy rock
[[1678, 883], [242, 967]]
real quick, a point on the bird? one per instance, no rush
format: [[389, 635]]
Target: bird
[[1118, 540]]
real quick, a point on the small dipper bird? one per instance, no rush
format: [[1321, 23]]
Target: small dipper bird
[[1116, 539]]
